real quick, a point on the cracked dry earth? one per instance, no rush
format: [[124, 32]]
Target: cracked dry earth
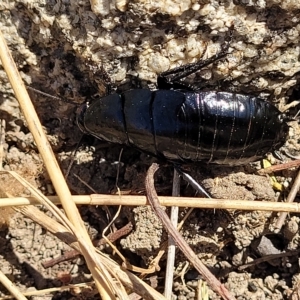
[[54, 43]]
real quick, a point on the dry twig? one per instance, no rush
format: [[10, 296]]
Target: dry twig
[[280, 167], [291, 197], [2, 141], [114, 236], [181, 243], [267, 258]]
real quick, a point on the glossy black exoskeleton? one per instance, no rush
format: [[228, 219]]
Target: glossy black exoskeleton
[[184, 125]]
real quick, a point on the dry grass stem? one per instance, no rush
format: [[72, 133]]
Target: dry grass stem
[[132, 200], [85, 248], [52, 290], [11, 287], [103, 283], [129, 280], [171, 244]]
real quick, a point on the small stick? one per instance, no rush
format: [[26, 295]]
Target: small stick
[[171, 243], [97, 243], [2, 140], [280, 167], [267, 258], [213, 282], [291, 197], [68, 255]]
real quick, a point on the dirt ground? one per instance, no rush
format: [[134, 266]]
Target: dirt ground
[[59, 46]]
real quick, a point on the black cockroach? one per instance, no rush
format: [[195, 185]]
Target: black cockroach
[[186, 125]]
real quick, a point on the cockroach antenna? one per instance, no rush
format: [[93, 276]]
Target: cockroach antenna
[[51, 96]]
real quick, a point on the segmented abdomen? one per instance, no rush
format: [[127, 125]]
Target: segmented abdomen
[[225, 128], [187, 127]]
